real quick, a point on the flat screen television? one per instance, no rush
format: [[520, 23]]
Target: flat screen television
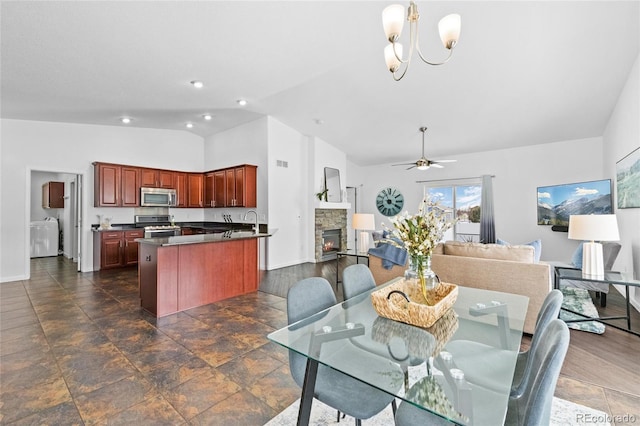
[[556, 203]]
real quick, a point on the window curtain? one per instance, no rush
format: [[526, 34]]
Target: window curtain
[[487, 222]]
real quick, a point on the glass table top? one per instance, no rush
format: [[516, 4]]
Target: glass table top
[[460, 368], [611, 277]]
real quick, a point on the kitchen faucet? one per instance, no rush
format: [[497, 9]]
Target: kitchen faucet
[[254, 212]]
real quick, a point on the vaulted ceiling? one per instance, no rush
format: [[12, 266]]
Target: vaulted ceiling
[[523, 72]]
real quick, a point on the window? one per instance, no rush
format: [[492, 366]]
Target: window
[[463, 203]]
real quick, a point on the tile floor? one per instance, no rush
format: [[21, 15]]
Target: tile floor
[[77, 349]]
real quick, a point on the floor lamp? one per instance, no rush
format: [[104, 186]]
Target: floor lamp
[[592, 228], [364, 222]]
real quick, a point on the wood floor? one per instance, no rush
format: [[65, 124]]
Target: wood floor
[[77, 349]]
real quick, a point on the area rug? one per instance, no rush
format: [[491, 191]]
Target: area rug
[[563, 413], [579, 300]]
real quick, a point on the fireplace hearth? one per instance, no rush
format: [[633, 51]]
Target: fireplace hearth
[[330, 243]]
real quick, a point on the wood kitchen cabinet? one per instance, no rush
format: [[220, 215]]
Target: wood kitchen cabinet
[[116, 249], [209, 189], [182, 189], [219, 188], [156, 178], [240, 186], [195, 189], [53, 195], [116, 185]]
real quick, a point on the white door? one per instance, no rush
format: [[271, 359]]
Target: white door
[[77, 222]]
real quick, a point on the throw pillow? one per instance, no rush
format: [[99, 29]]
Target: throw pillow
[[536, 244], [377, 236], [576, 259]]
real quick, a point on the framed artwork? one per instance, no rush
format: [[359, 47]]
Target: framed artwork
[[556, 203], [628, 180]]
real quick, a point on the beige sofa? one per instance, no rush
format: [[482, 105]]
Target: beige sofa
[[510, 269]]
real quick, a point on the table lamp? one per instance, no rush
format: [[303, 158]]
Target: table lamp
[[364, 222], [592, 228]]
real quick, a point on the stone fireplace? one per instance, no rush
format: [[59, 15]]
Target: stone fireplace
[[330, 220]]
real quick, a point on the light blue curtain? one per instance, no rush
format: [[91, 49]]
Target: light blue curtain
[[487, 223]]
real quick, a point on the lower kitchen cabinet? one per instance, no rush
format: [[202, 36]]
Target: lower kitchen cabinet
[[116, 249]]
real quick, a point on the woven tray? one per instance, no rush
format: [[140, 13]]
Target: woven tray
[[415, 311]]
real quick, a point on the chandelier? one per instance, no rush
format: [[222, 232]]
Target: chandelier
[[393, 21]]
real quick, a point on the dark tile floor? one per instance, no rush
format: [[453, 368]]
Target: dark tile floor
[[76, 348]]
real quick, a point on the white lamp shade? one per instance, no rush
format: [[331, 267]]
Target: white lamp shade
[[449, 28], [363, 221], [393, 21], [593, 227], [390, 57]]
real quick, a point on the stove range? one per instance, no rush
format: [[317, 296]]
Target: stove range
[[156, 226]]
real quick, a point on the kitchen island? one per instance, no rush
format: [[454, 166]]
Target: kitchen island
[[183, 272]]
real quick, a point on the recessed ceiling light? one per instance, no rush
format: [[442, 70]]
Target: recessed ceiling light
[[242, 102], [319, 121], [197, 84], [207, 117], [189, 125], [125, 120]]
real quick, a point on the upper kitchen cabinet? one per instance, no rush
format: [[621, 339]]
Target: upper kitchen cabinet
[[53, 195], [116, 185], [154, 178], [182, 189], [219, 188], [209, 189], [240, 186], [195, 189]]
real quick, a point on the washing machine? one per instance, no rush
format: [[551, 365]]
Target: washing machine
[[44, 237]]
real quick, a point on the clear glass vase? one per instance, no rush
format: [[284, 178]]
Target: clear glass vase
[[421, 273]]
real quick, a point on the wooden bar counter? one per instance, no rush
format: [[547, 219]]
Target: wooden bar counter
[[183, 272]]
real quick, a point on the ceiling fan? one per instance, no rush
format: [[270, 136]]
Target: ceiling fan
[[423, 163]]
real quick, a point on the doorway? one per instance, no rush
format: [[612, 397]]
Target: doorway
[[69, 217]]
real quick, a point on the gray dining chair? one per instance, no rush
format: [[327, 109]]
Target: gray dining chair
[[344, 393], [494, 359], [356, 279], [533, 406]]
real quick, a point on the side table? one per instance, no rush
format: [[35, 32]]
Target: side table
[[610, 277], [349, 253]]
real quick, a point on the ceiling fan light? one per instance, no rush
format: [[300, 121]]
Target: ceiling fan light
[[423, 167], [390, 56], [449, 28], [393, 21]]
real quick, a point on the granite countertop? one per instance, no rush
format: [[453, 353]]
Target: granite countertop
[[202, 238], [215, 226]]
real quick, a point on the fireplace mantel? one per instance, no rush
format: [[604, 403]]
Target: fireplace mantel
[[326, 205]]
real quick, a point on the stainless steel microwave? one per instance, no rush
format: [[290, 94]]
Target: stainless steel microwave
[[157, 197]]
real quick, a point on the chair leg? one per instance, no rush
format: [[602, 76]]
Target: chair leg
[[394, 407], [358, 422], [603, 300]]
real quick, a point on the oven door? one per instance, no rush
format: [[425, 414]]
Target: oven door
[[161, 233]]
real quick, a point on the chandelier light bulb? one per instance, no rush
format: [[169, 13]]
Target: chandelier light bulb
[[125, 120], [449, 29], [393, 21], [390, 56]]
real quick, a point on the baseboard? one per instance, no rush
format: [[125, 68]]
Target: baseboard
[[271, 267], [15, 278]]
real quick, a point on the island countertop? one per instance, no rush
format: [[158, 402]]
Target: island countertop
[[202, 238]]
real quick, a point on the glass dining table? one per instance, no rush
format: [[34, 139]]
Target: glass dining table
[[460, 369]]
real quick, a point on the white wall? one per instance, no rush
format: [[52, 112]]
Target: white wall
[[622, 136], [289, 208], [518, 172], [71, 148], [244, 144]]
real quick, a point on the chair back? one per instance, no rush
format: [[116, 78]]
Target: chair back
[[549, 311], [533, 407], [356, 279], [305, 298]]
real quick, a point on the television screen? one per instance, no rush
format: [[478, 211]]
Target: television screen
[[556, 203]]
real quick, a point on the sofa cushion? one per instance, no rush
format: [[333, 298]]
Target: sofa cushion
[[536, 244], [490, 251]]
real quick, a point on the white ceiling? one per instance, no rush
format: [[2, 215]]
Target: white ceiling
[[523, 72]]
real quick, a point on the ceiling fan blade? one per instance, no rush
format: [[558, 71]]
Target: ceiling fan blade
[[409, 168], [436, 165], [404, 164], [444, 161]]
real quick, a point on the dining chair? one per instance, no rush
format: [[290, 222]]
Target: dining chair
[[344, 393], [533, 406], [356, 279], [464, 351]]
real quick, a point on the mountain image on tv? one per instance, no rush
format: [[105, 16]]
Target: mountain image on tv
[[556, 203]]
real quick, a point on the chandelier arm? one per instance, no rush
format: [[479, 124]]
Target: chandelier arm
[[393, 74], [402, 61], [434, 63]]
